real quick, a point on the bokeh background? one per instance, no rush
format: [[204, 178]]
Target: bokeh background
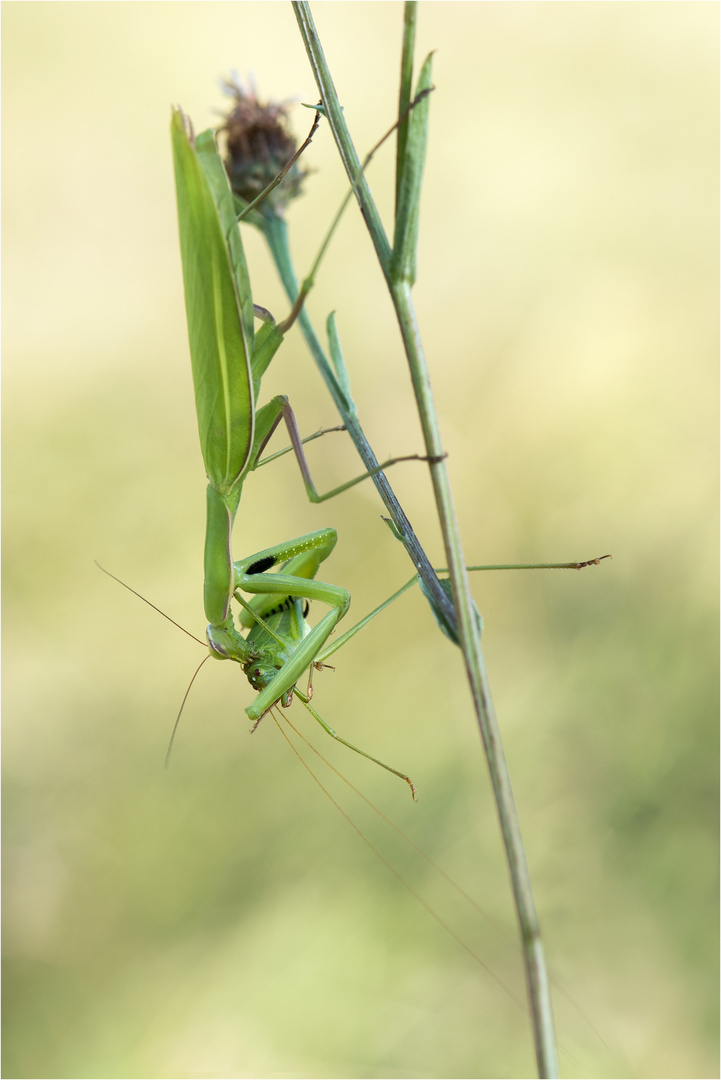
[[221, 919]]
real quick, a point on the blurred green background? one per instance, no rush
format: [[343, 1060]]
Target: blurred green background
[[221, 919]]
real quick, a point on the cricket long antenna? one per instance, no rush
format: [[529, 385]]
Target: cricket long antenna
[[399, 832], [182, 704], [203, 643], [431, 862], [431, 911], [146, 601]]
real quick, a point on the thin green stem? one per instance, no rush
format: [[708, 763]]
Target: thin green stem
[[309, 280], [275, 232], [468, 629]]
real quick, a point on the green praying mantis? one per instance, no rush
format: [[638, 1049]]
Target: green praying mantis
[[269, 636]]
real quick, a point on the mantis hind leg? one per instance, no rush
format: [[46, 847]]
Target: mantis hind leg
[[279, 409]]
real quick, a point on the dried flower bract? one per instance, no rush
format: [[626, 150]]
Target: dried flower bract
[[259, 145]]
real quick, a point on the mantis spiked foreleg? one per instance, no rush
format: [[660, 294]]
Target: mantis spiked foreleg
[[272, 663]]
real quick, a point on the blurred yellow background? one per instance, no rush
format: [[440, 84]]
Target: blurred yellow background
[[221, 919]]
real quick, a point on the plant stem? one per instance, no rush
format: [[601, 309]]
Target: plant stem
[[275, 232], [468, 630]]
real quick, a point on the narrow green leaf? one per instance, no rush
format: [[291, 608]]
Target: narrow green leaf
[[218, 305], [341, 370], [409, 182], [410, 11]]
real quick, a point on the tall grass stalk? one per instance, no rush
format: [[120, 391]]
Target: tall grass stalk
[[399, 273]]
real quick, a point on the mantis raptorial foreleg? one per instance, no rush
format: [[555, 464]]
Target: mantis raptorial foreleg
[[274, 669]]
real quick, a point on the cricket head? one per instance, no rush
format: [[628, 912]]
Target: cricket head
[[261, 670]]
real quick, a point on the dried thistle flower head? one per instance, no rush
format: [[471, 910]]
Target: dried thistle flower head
[[259, 144]]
